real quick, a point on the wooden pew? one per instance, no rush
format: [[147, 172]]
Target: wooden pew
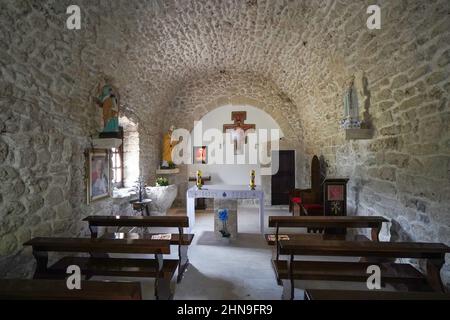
[[324, 222], [399, 273], [160, 269], [182, 240], [329, 222], [25, 289], [320, 294]]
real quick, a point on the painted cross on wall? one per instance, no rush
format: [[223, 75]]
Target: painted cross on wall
[[238, 130]]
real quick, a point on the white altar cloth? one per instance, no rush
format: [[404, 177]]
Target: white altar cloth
[[224, 192]]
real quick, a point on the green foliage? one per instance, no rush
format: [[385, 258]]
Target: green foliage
[[172, 165], [162, 182]]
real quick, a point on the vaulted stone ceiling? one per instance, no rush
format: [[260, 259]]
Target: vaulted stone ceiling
[[307, 49], [179, 42]]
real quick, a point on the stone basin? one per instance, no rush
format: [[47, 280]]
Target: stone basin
[[162, 198]]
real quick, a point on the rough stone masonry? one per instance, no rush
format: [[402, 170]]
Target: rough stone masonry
[[175, 60]]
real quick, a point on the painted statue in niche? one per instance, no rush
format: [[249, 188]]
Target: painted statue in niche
[[351, 109], [167, 148], [108, 100]]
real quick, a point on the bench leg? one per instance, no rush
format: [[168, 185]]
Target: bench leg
[[288, 289], [163, 285], [41, 264], [274, 259], [94, 235], [375, 233], [163, 289], [434, 274], [184, 261]]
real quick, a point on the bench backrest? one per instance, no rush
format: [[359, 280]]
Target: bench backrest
[[365, 249], [326, 221], [13, 289], [138, 221], [321, 294], [89, 245]]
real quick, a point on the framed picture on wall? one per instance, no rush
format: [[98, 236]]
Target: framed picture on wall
[[98, 170], [200, 155]]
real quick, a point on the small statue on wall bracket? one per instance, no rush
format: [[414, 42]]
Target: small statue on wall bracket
[[108, 100], [351, 108]]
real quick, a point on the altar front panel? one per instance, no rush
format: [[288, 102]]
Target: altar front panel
[[223, 192], [216, 191]]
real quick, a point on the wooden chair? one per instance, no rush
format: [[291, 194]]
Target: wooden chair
[[180, 239], [309, 201]]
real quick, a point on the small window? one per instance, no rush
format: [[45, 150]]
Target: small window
[[117, 164]]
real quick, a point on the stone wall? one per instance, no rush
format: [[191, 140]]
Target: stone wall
[[42, 179], [47, 118], [403, 171]]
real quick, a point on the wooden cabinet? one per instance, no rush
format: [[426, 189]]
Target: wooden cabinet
[[335, 196], [335, 200]]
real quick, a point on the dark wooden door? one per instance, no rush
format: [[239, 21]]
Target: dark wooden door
[[284, 181]]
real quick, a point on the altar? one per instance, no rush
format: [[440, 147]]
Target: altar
[[224, 192]]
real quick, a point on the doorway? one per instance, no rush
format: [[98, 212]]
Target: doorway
[[283, 181]]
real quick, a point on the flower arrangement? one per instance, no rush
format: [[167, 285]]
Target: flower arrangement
[[223, 216], [162, 182], [171, 165]]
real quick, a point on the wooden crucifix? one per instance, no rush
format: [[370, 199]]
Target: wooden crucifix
[[238, 129]]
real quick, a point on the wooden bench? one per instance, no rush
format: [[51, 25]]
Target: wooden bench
[[158, 268], [325, 222], [395, 273], [329, 222], [182, 240], [25, 289], [320, 294]]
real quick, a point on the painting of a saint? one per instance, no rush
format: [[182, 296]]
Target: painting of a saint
[[99, 177]]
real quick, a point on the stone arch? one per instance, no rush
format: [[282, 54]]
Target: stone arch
[[202, 94]]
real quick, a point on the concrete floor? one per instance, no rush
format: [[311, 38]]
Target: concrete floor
[[240, 269]]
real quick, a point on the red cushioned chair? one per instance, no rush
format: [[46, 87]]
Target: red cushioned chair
[[310, 201], [295, 199]]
